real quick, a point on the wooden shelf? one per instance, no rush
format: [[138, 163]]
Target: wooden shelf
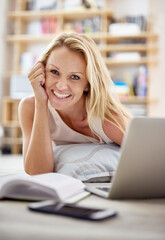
[[29, 39], [143, 60], [66, 14], [133, 99], [9, 140], [137, 100], [11, 124], [25, 38], [128, 48]]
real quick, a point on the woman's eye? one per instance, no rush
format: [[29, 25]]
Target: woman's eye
[[54, 72], [75, 77]]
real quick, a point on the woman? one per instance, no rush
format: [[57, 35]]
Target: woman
[[72, 103]]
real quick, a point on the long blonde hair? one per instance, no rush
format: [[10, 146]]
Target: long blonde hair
[[101, 101]]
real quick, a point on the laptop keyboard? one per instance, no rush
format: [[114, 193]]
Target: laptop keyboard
[[105, 189]]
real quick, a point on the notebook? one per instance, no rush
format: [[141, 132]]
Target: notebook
[[141, 170]]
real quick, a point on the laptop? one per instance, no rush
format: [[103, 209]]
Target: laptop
[[141, 170]]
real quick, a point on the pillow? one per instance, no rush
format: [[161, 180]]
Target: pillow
[[88, 162]]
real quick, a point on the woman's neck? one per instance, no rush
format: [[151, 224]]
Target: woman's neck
[[74, 114]]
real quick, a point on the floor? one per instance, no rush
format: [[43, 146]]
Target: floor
[[11, 164]]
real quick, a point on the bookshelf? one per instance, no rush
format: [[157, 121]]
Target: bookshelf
[[143, 43], [12, 140]]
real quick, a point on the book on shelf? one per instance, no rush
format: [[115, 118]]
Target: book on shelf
[[140, 81], [128, 25], [122, 29], [39, 5], [20, 87], [122, 88], [47, 186], [137, 109], [51, 25], [70, 4], [43, 26], [134, 84], [125, 56]]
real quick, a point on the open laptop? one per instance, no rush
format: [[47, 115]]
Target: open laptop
[[141, 169]]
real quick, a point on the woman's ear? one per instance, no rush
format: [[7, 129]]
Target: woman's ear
[[86, 90]]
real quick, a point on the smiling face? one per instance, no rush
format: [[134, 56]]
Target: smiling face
[[66, 78]]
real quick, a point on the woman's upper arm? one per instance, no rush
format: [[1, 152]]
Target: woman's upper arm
[[26, 116]]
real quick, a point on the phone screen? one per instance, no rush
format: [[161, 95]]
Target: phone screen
[[73, 210], [70, 209]]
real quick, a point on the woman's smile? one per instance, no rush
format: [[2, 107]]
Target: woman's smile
[[61, 95]]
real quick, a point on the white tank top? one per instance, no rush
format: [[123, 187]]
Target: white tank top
[[62, 134]]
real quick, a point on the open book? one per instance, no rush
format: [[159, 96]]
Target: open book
[[42, 187]]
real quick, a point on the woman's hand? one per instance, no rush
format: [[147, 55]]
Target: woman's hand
[[37, 80]]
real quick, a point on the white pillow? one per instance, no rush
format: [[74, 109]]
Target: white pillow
[[88, 162]]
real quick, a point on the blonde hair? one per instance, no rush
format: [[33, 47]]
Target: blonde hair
[[101, 101]]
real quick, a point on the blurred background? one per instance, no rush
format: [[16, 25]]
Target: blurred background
[[130, 35]]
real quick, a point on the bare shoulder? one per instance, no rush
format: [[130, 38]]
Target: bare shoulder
[[113, 132], [27, 103], [26, 108]]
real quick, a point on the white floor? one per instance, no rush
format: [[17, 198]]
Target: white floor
[[11, 164]]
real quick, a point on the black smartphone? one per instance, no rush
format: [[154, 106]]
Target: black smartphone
[[72, 210]]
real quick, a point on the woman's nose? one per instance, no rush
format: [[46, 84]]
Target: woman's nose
[[62, 84]]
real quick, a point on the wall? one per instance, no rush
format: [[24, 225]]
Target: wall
[[157, 10], [3, 14]]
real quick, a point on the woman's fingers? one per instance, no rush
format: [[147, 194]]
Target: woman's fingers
[[36, 67], [38, 72], [38, 79]]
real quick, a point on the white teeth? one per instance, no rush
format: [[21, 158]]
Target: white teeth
[[61, 95]]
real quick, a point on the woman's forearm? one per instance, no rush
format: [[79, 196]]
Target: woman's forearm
[[39, 155]]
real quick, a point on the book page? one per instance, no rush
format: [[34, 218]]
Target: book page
[[42, 186]]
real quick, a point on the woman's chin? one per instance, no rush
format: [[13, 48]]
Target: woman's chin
[[60, 103]]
